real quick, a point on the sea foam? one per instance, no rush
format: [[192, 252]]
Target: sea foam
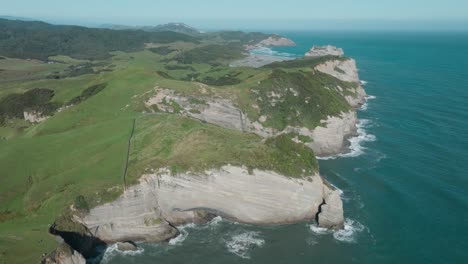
[[347, 235], [112, 251], [241, 244], [356, 147]]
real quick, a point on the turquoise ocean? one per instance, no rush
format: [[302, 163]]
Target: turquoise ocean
[[405, 184]]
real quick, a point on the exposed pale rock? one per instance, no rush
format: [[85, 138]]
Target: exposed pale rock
[[272, 41], [34, 117], [346, 71], [331, 137], [320, 51], [343, 70], [134, 216], [276, 41], [331, 215], [64, 254], [328, 139], [262, 197], [126, 246]]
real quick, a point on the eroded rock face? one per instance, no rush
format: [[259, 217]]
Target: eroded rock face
[[342, 70], [277, 41], [328, 139], [34, 117], [331, 138], [262, 197], [134, 216], [320, 51], [346, 71], [126, 246], [330, 216], [272, 41], [64, 255]]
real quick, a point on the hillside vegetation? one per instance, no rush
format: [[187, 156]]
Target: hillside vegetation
[[39, 40]]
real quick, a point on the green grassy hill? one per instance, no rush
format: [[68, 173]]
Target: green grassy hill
[[39, 40]]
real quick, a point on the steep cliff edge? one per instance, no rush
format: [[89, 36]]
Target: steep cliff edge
[[315, 97], [149, 210], [345, 70], [64, 254]]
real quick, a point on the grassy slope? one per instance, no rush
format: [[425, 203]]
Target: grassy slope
[[196, 146]]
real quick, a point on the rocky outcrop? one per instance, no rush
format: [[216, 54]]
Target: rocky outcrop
[[144, 211], [330, 216], [345, 70], [134, 216], [64, 254], [320, 51], [126, 246], [218, 111], [34, 117], [328, 139], [272, 41], [275, 41]]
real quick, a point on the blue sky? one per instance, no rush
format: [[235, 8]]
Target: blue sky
[[248, 13]]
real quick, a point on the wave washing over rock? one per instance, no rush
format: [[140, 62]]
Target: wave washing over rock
[[356, 143], [150, 211], [348, 234], [241, 244]]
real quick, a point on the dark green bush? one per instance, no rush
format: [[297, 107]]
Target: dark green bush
[[87, 93], [81, 203], [39, 40], [13, 105]]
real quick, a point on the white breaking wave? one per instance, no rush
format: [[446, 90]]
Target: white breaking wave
[[348, 234], [215, 221], [356, 147], [365, 105], [112, 251], [241, 244], [269, 52], [178, 240], [363, 82]]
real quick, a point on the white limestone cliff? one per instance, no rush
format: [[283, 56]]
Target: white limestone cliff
[[320, 51], [148, 210]]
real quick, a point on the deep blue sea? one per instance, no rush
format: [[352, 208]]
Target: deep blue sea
[[405, 186]]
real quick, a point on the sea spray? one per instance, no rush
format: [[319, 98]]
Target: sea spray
[[348, 234], [112, 251], [241, 244]]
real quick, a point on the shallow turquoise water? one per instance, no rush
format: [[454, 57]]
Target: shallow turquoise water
[[406, 194]]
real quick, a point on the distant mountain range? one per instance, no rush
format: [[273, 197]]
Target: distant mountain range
[[39, 40], [18, 18], [175, 27]]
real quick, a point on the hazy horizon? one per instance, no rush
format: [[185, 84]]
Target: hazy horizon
[[313, 25], [250, 15]]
